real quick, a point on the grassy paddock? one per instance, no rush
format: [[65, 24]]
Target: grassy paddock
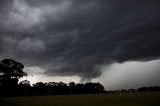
[[140, 99]]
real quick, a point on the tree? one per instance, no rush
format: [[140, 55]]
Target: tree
[[24, 87], [10, 72], [24, 83]]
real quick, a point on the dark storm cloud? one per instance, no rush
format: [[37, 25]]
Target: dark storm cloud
[[76, 37]]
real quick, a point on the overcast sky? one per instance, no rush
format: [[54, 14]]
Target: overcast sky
[[115, 42]]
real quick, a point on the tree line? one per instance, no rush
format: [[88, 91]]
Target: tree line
[[11, 71], [53, 88]]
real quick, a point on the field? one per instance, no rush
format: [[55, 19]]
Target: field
[[139, 99]]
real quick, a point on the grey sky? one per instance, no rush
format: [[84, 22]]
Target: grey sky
[[79, 36]]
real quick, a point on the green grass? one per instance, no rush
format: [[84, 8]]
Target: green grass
[[140, 99]]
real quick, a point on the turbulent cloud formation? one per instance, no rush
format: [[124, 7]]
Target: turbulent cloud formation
[[78, 36]]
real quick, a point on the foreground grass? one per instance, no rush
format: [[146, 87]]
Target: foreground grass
[[140, 99]]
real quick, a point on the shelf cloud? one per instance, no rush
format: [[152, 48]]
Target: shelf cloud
[[68, 37]]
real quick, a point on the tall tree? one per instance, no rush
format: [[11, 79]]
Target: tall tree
[[10, 72]]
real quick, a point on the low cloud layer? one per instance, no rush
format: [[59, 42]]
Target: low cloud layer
[[67, 37]]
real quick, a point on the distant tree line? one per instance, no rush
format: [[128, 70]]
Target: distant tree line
[[141, 89], [150, 88], [53, 88]]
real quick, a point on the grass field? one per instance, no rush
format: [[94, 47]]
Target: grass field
[[140, 99]]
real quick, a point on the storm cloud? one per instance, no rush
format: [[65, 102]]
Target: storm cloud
[[68, 37]]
